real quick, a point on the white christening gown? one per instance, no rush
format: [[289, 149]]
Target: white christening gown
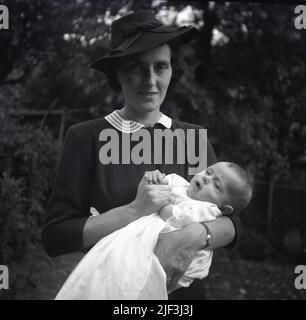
[[123, 266]]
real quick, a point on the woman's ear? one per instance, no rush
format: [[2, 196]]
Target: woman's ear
[[227, 209]]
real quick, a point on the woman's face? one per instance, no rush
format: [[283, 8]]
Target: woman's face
[[144, 79]]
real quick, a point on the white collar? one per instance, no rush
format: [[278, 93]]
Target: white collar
[[130, 126]]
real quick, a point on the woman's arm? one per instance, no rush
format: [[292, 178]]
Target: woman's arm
[[175, 250], [149, 199], [223, 232], [68, 206], [100, 226], [222, 229]]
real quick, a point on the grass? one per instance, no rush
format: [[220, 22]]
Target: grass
[[231, 277]]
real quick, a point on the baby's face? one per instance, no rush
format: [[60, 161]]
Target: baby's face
[[214, 184]]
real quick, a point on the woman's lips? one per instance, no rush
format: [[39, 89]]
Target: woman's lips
[[148, 93]]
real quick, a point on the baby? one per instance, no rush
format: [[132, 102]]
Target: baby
[[123, 264], [219, 190], [224, 184]]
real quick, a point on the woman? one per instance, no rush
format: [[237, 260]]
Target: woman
[[142, 63]]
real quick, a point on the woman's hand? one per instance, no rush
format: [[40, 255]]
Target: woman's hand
[[155, 177], [151, 197], [175, 251]]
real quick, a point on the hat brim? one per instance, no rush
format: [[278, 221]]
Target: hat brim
[[146, 41]]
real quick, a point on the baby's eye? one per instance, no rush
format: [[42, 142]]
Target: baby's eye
[[217, 185], [208, 172]]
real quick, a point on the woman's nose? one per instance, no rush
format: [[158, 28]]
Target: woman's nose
[[149, 77]]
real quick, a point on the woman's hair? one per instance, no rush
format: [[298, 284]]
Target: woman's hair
[[177, 64]]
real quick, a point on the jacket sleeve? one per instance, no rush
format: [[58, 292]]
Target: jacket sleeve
[[68, 207], [235, 218], [238, 229]]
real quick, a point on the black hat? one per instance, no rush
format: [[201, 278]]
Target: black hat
[[138, 32]]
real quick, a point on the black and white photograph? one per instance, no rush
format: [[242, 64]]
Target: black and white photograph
[[152, 150]]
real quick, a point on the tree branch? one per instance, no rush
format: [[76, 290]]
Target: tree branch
[[13, 81]]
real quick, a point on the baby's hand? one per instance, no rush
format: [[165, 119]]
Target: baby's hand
[[155, 177]]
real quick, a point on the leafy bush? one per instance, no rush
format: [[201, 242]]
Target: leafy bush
[[28, 157]]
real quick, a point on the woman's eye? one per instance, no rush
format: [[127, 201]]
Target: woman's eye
[[135, 66], [161, 67], [131, 66]]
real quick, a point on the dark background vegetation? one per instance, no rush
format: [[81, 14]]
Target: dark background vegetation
[[247, 89]]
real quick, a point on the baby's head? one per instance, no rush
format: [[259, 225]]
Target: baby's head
[[225, 184]]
